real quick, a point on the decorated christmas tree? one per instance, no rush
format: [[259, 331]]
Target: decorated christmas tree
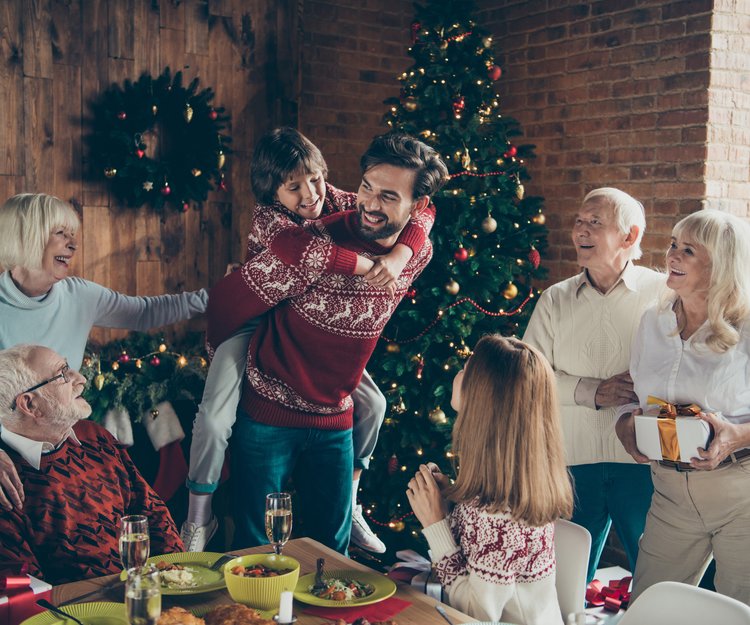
[[487, 242]]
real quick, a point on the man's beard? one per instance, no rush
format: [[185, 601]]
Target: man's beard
[[368, 233], [65, 417]]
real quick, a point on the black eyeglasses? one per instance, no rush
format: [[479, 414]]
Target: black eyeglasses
[[64, 374]]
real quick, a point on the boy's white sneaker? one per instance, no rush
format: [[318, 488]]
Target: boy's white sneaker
[[362, 535], [196, 537]]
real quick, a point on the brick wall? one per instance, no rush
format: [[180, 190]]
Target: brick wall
[[351, 54], [728, 166], [640, 95], [612, 94]]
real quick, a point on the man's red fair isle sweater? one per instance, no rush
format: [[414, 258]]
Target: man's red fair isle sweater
[[68, 527], [308, 353]]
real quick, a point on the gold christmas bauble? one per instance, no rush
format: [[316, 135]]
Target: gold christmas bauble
[[465, 159], [162, 348], [397, 525], [188, 113], [539, 219], [196, 172], [99, 382], [110, 172], [520, 191], [154, 413], [443, 45], [410, 104], [115, 366], [399, 408], [154, 109], [220, 159], [510, 291], [393, 348], [437, 416], [489, 225], [452, 287]]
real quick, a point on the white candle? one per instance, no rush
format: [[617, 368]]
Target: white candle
[[285, 607]]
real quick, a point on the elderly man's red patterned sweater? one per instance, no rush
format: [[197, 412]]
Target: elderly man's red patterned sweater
[[308, 354], [68, 527]]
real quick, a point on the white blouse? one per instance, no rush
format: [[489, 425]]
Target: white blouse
[[677, 371]]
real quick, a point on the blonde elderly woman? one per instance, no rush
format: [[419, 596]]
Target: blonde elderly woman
[[41, 303], [584, 326], [695, 348]]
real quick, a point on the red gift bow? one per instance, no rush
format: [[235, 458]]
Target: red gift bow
[[16, 585], [612, 597], [13, 575]]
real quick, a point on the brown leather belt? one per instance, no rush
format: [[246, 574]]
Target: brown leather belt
[[686, 466]]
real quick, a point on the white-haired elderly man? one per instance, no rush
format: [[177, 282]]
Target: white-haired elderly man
[[585, 325], [78, 480]]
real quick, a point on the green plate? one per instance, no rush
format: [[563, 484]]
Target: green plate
[[198, 563], [384, 588], [96, 613]]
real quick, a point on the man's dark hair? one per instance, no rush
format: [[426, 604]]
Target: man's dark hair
[[402, 150], [279, 154]]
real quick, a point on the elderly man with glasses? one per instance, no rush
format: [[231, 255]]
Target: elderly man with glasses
[[78, 480]]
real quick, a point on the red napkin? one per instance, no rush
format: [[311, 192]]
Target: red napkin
[[381, 611]]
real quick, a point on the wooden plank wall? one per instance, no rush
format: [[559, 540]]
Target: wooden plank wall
[[58, 55]]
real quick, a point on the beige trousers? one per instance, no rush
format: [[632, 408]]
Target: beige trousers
[[692, 515]]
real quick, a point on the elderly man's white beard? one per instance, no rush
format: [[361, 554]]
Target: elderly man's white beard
[[60, 419]]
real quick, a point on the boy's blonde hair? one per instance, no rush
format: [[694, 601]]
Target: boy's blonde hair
[[26, 222], [726, 238], [507, 436]]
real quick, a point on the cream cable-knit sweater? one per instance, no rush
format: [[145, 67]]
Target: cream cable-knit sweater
[[586, 336]]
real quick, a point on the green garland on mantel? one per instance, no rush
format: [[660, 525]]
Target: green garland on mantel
[[141, 371], [156, 141]]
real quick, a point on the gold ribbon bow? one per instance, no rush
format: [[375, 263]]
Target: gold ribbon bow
[[670, 446]]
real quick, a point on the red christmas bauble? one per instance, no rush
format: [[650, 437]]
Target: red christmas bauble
[[461, 255], [165, 190], [139, 153], [494, 72], [411, 292], [124, 358], [511, 151], [415, 26], [392, 464], [212, 115], [185, 207], [535, 258], [122, 116], [459, 104], [155, 362]]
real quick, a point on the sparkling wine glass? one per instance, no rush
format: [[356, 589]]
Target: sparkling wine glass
[[134, 541], [278, 519], [143, 595]]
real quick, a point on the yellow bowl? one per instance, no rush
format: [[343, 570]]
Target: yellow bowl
[[262, 593]]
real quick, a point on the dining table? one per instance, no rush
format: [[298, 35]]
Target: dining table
[[421, 610]]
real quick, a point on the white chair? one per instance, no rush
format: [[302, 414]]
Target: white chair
[[572, 546], [672, 602]]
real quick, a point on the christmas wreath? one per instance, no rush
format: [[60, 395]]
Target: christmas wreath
[[156, 141]]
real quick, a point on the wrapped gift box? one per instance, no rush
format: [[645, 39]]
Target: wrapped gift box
[[416, 570], [671, 431], [18, 595]]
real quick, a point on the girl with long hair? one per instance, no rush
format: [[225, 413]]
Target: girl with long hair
[[491, 533]]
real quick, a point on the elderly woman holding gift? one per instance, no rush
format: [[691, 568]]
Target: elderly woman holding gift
[[695, 348], [584, 326]]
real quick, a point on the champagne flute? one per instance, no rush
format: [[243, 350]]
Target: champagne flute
[[143, 595], [134, 541], [278, 519]]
